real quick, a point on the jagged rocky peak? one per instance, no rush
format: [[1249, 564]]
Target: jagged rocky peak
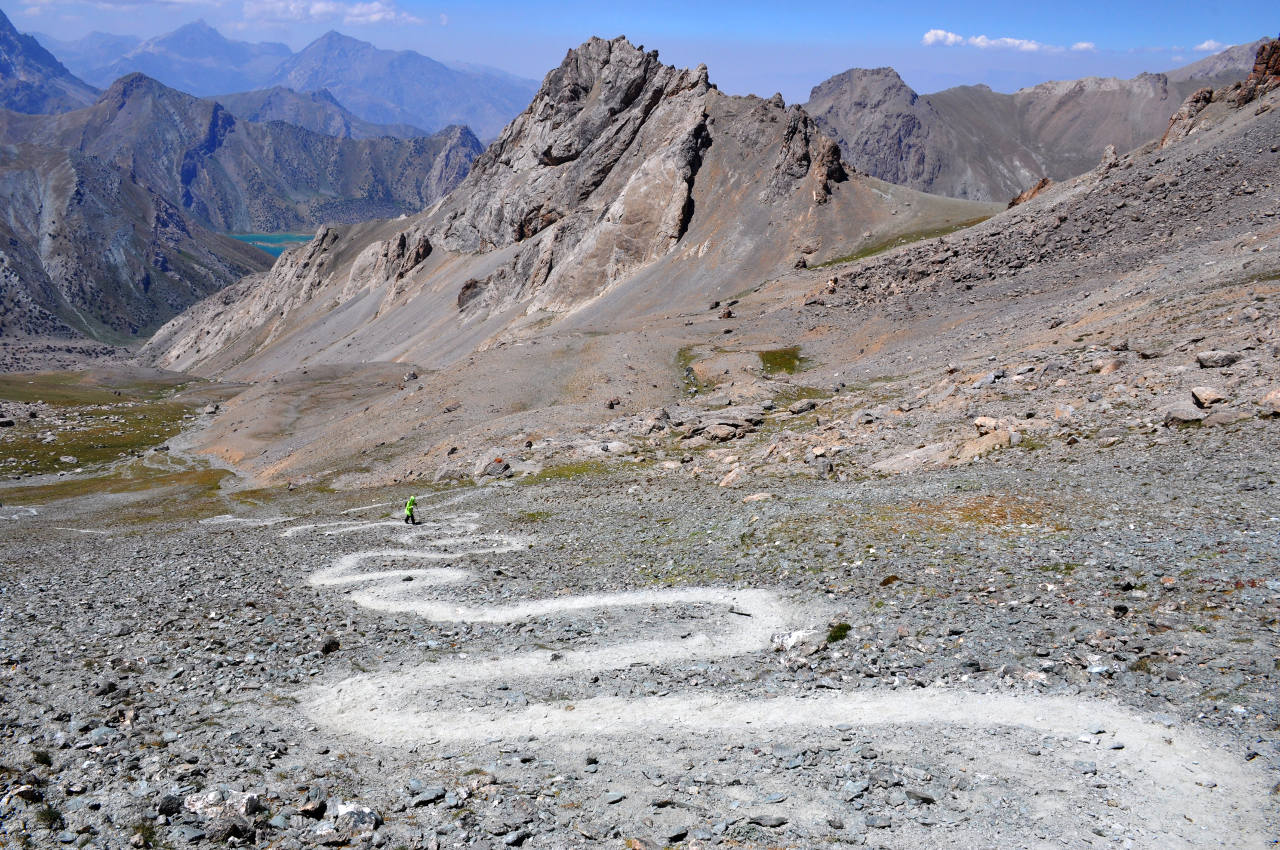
[[867, 87], [559, 152], [596, 178]]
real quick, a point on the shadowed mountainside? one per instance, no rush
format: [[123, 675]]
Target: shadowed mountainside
[[88, 250], [235, 175], [32, 80]]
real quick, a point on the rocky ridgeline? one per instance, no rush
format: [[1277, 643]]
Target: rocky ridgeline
[[1263, 78], [1142, 346], [972, 142], [596, 177]]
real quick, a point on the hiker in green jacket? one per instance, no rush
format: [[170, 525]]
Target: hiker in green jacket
[[408, 511]]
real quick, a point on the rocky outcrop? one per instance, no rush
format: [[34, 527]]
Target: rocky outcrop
[[1265, 75], [1182, 121], [1111, 216], [32, 80], [1207, 105], [1022, 197], [972, 142]]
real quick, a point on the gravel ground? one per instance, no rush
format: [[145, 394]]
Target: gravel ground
[[1021, 652]]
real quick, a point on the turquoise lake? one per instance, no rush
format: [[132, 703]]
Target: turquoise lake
[[274, 243]]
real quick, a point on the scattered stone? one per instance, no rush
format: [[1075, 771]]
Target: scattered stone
[[1206, 396], [1183, 413], [1216, 359], [1271, 403]]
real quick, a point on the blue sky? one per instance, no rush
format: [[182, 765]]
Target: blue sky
[[749, 47]]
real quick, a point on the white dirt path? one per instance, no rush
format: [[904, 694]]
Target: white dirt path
[[1200, 793]]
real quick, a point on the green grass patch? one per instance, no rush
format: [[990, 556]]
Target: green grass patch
[[98, 418], [185, 494], [533, 516], [65, 389], [838, 632], [777, 361], [93, 436], [564, 471], [898, 241], [50, 818], [685, 358]]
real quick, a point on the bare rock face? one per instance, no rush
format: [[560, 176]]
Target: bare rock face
[[595, 179], [1022, 197], [32, 80], [1265, 75]]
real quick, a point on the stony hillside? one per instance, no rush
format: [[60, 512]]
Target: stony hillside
[[88, 251], [317, 111], [32, 80], [239, 176], [972, 142], [969, 542]]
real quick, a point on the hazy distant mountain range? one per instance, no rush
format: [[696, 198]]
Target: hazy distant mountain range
[[317, 111], [236, 175], [379, 86]]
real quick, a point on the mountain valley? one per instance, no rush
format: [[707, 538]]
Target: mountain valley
[[760, 502]]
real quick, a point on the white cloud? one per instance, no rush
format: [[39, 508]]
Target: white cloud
[[942, 37], [982, 42], [318, 11], [1209, 46], [444, 19], [1084, 46], [1022, 44]]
